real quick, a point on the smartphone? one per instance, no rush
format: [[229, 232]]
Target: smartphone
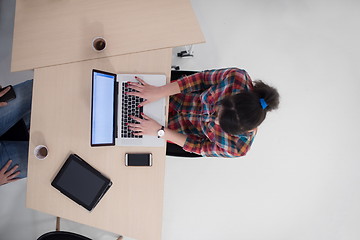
[[138, 159], [10, 95]]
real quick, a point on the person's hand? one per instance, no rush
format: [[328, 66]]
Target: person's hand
[[146, 126], [2, 93], [149, 92], [7, 176]]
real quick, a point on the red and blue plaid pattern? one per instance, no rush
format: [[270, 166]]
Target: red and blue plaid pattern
[[193, 112]]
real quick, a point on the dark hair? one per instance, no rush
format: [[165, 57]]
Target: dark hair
[[243, 112]]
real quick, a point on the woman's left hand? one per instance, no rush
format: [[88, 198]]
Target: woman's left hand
[[146, 126], [146, 91]]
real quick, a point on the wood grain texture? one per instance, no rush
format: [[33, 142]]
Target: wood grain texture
[[48, 32], [61, 114]]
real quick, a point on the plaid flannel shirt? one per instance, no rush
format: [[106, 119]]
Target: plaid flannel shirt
[[193, 112]]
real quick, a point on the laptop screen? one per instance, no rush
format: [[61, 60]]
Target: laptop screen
[[103, 108]]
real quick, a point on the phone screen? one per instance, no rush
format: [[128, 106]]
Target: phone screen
[[138, 159], [10, 95]]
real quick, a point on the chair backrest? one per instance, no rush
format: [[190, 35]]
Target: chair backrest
[[18, 132], [180, 73], [62, 235]]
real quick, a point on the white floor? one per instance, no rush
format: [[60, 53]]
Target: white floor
[[301, 178]]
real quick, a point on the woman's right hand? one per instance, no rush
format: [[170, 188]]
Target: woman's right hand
[[149, 92]]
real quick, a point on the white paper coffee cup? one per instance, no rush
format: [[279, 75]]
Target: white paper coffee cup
[[99, 44], [41, 152]]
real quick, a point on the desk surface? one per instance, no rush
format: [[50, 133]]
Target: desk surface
[[61, 114], [48, 32]]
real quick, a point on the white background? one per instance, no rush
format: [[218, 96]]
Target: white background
[[300, 180]]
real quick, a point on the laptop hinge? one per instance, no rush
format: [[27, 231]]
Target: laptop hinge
[[116, 99]]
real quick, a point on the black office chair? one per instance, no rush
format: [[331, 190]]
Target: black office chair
[[176, 74], [62, 235], [18, 132], [171, 148]]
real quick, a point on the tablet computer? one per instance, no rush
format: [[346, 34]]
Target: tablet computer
[[81, 182]]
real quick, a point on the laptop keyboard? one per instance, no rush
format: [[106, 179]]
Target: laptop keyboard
[[129, 107]]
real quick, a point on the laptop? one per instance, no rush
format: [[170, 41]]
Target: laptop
[[110, 110]]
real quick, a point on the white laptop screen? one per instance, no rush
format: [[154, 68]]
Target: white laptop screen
[[103, 108]]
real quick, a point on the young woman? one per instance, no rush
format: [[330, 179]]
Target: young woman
[[211, 113]]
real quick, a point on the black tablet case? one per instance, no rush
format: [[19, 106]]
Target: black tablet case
[[81, 182]]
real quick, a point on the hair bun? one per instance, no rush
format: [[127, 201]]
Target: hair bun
[[268, 93]]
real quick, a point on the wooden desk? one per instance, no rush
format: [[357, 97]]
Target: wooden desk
[[51, 32], [61, 120]]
